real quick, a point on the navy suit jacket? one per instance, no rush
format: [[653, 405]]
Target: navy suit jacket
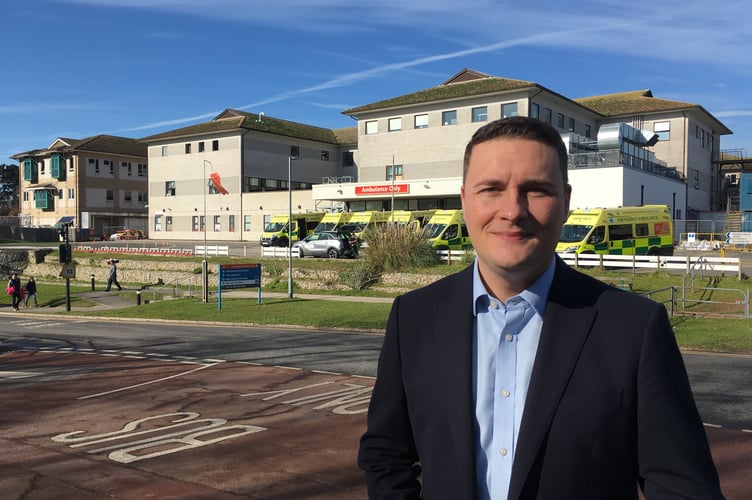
[[609, 405]]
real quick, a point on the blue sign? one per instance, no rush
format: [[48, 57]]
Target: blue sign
[[233, 276], [239, 276]]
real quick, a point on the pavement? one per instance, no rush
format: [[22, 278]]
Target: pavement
[[119, 299]]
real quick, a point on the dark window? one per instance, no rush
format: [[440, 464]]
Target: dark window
[[348, 159], [294, 151], [641, 230], [620, 232], [215, 145], [201, 147], [188, 148]]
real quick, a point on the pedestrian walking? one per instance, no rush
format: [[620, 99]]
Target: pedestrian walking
[[112, 275], [14, 290], [31, 291]]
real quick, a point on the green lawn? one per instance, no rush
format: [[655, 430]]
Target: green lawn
[[695, 331]]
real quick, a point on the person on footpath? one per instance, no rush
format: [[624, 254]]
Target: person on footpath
[[31, 291], [112, 275], [14, 289], [521, 378]]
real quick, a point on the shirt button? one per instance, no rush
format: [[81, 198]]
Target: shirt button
[[508, 337], [505, 393], [503, 452]]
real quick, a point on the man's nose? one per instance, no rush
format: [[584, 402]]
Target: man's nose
[[512, 205]]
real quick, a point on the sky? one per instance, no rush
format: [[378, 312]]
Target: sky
[[134, 68]]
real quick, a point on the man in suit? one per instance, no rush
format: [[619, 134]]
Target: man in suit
[[521, 378]]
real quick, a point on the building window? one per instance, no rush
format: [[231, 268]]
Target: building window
[[348, 159], [216, 223], [480, 114], [57, 166], [128, 196], [110, 196], [164, 150], [295, 151], [71, 165], [168, 223], [170, 188], [26, 196], [571, 124], [588, 131], [142, 197], [397, 172], [215, 145], [201, 147], [194, 223], [231, 223], [509, 109], [202, 223], [372, 127], [158, 222], [142, 169], [449, 117], [324, 155], [246, 223], [560, 120], [188, 148], [534, 110], [421, 121], [547, 115], [29, 170], [663, 129], [71, 193], [60, 194], [395, 124]]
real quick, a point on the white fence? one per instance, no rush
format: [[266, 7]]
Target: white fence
[[277, 252], [684, 262], [211, 250]]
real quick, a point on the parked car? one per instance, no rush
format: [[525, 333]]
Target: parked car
[[128, 234], [330, 244]]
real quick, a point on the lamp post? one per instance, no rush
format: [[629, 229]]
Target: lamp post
[[289, 225], [205, 263]]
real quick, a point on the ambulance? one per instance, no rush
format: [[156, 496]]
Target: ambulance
[[643, 230], [446, 230], [361, 221], [333, 221], [414, 219], [275, 233]]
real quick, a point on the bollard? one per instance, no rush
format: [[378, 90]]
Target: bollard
[[138, 297], [92, 282]]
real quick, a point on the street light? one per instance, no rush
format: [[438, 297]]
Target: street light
[[205, 263], [289, 224]]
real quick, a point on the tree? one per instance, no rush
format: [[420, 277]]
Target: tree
[[9, 189]]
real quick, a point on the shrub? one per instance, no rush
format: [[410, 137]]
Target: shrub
[[395, 248], [361, 276]]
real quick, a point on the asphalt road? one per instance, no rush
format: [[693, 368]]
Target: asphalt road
[[722, 383]]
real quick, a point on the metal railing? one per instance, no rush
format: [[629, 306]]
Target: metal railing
[[178, 287]]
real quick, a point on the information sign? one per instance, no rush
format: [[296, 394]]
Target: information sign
[[234, 276], [738, 238]]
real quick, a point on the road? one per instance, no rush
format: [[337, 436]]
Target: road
[[124, 409], [722, 384]]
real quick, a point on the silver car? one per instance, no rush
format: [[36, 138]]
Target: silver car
[[325, 244]]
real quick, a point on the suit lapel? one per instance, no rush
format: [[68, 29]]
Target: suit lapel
[[566, 325], [452, 325]]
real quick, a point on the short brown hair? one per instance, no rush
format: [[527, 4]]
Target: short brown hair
[[519, 127]]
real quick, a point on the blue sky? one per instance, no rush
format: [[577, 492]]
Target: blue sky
[[77, 68]]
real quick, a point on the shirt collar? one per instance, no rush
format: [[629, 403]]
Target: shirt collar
[[536, 294]]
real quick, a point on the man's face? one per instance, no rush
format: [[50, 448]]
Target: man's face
[[515, 201]]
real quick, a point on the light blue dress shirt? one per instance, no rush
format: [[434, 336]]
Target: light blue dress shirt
[[506, 340]]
